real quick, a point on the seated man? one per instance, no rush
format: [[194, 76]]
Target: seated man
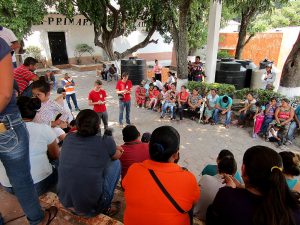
[[112, 73], [88, 168], [223, 106], [210, 185], [134, 150]]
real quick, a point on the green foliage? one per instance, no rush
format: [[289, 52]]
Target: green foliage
[[222, 54], [84, 48], [261, 95], [223, 89], [33, 51], [287, 15], [20, 15]]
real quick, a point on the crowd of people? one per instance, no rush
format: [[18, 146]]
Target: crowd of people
[[44, 148]]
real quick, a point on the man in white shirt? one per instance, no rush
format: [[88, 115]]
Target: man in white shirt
[[12, 41], [268, 78], [157, 83]]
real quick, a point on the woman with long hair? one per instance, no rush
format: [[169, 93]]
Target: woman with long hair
[[264, 200]]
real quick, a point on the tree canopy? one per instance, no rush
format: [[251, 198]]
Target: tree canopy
[[20, 15]]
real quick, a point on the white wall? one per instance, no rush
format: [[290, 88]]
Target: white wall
[[79, 34]]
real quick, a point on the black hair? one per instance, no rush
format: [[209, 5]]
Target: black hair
[[153, 78], [41, 85], [224, 153], [225, 99], [151, 84], [30, 61], [286, 100], [258, 104], [155, 60], [273, 98], [262, 168], [87, 123], [164, 142], [124, 74], [214, 89], [73, 123], [130, 133], [198, 57], [183, 86], [196, 89], [227, 165], [156, 87], [146, 137], [60, 90], [291, 163], [250, 93], [28, 106]]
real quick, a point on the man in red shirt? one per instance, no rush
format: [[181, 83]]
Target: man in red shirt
[[97, 98], [123, 90], [24, 73], [134, 150]]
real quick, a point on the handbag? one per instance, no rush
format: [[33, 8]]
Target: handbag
[[170, 198]]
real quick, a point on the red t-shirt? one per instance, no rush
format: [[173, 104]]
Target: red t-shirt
[[122, 86], [183, 96], [156, 93], [23, 76], [96, 96], [134, 152]]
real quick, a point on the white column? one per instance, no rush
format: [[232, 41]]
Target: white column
[[213, 39]]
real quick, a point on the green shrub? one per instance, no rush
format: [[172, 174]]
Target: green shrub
[[222, 54], [263, 96], [223, 89]]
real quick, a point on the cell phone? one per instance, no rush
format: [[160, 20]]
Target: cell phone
[[2, 128]]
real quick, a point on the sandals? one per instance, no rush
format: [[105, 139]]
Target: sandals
[[52, 211]]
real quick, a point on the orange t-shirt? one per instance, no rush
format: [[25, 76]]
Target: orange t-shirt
[[145, 202]]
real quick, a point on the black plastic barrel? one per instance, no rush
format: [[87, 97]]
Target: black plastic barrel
[[250, 66], [231, 73], [136, 68]]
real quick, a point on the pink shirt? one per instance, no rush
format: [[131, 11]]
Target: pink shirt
[[157, 69]]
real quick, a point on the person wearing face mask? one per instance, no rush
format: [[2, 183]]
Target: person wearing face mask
[[158, 191]]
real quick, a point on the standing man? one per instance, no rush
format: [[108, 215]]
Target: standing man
[[123, 90], [97, 98], [14, 146], [157, 70], [268, 78], [69, 85], [223, 106], [12, 41], [24, 76], [197, 70]]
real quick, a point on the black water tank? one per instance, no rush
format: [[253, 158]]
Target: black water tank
[[231, 73], [250, 66], [136, 68]]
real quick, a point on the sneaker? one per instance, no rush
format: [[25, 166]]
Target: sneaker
[[143, 107], [138, 107], [161, 117], [288, 142], [254, 136], [77, 109]]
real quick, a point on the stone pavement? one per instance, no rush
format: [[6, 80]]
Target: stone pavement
[[200, 144]]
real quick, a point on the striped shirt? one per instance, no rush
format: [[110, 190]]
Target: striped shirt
[[23, 76], [48, 111]]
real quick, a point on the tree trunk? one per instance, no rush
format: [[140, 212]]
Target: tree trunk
[[290, 77], [182, 42], [242, 37], [108, 48]]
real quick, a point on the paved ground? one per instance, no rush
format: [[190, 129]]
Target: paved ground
[[200, 144]]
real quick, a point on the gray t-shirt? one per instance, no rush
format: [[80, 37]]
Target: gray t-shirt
[[209, 186], [81, 168]]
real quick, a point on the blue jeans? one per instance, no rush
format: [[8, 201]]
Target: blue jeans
[[167, 105], [73, 96], [292, 129], [14, 154], [265, 125], [216, 116], [124, 105], [42, 187], [112, 175]]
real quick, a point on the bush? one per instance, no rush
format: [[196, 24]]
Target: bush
[[223, 89], [263, 96], [222, 54], [81, 49], [33, 51]]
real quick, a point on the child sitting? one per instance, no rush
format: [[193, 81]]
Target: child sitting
[[146, 137], [273, 134], [140, 95], [258, 119], [153, 96]]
